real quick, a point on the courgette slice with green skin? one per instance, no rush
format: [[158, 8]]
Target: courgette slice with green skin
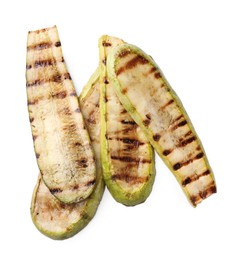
[[62, 145], [127, 157], [155, 107], [54, 218]]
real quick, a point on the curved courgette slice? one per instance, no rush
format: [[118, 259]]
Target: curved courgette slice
[[62, 145], [54, 218], [152, 103], [127, 157]]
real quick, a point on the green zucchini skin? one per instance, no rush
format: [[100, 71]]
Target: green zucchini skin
[[53, 218], [127, 157], [62, 146], [152, 103]]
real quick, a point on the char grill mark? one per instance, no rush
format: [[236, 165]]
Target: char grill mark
[[130, 159], [57, 78], [203, 194], [194, 177], [55, 190], [179, 165], [132, 63], [128, 178], [133, 142]]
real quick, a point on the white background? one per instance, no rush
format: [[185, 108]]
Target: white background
[[196, 45]]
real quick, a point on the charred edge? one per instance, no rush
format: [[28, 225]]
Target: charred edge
[[187, 141], [55, 190], [77, 144], [156, 137], [40, 46], [37, 155], [124, 53], [167, 152], [77, 110], [105, 99], [130, 159], [58, 44], [31, 119], [132, 63], [60, 95], [129, 178], [44, 63], [28, 67], [179, 165], [194, 178], [126, 122], [82, 162], [104, 61], [106, 44]]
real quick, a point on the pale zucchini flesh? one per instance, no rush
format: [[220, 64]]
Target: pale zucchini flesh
[[127, 157], [61, 142], [152, 103], [54, 218]]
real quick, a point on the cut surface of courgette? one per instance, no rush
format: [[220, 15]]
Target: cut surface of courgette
[[61, 142], [54, 218], [127, 157], [152, 103]]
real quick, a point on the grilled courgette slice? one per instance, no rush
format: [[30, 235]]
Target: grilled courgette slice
[[127, 157], [62, 145], [54, 218], [155, 107]]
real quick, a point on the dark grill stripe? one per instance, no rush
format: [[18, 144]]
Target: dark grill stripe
[[180, 124], [194, 177], [135, 142], [156, 137], [203, 194], [44, 63], [55, 190], [187, 141], [167, 104], [124, 53], [167, 152], [57, 78], [127, 122], [106, 44], [130, 159], [90, 183], [132, 63], [40, 46], [179, 165], [129, 178]]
